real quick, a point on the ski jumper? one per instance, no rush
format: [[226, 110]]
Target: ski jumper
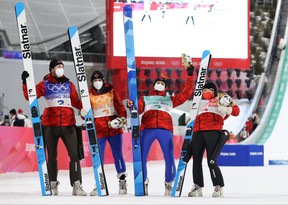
[[156, 124], [107, 106], [59, 121], [207, 131]]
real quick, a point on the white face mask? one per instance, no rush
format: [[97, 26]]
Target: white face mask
[[159, 87], [59, 72], [98, 85]]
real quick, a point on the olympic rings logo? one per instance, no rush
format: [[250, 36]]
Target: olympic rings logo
[[58, 87]]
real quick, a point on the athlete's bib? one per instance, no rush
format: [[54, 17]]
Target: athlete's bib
[[102, 105], [162, 103], [212, 107], [57, 95]]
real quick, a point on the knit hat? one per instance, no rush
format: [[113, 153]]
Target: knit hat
[[160, 79], [12, 112], [54, 63], [211, 86], [20, 111], [96, 75]]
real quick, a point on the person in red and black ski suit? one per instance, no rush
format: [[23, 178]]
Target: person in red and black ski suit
[[156, 124], [109, 118], [207, 134], [59, 121]]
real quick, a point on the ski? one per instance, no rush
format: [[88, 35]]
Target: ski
[[132, 87], [99, 175], [181, 169], [33, 101]]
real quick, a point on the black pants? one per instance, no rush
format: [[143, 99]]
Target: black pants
[[69, 137], [201, 141]]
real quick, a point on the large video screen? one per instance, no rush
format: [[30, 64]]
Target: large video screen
[[163, 30]]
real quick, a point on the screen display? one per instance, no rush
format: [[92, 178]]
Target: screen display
[[163, 30]]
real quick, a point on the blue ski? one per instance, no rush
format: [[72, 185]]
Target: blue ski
[[33, 101], [132, 87], [181, 169], [98, 169]]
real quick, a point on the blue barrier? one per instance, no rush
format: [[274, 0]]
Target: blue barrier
[[12, 54], [278, 162], [241, 155]]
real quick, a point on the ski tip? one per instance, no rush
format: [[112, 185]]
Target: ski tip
[[205, 54], [72, 30], [127, 10], [19, 7], [127, 7]]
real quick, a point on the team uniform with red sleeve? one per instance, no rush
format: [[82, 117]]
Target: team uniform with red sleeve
[[107, 106], [207, 133], [210, 118], [59, 111], [109, 118], [59, 121], [156, 124]]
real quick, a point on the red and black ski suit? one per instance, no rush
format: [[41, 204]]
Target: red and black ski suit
[[207, 134], [59, 122]]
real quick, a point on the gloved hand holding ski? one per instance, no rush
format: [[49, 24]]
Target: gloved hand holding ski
[[24, 76]]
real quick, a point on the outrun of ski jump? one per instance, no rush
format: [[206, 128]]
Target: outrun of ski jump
[[82, 142]]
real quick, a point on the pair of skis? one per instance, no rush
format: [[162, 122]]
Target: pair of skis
[[99, 175]]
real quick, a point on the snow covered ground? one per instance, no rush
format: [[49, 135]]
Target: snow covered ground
[[243, 185]]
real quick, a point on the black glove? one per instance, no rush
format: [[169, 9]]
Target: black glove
[[190, 70], [24, 76]]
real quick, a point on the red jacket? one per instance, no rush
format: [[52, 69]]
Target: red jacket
[[212, 121], [161, 119], [57, 116], [101, 123], [249, 125]]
